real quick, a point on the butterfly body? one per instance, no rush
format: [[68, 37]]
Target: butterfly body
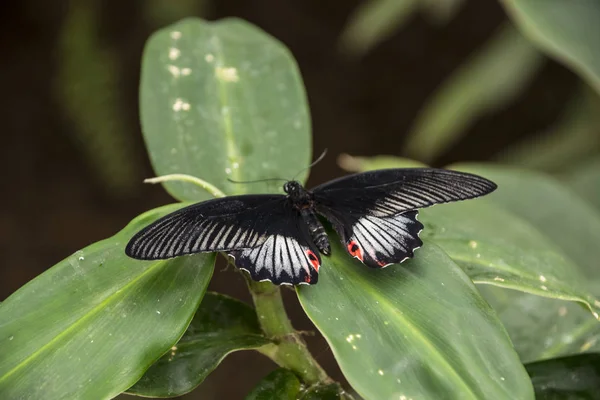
[[279, 237]]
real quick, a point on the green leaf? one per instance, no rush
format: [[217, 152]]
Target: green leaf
[[362, 164], [325, 392], [584, 179], [571, 223], [280, 384], [223, 100], [542, 328], [566, 378], [374, 21], [91, 325], [494, 247], [221, 325], [417, 330], [489, 80], [567, 30]]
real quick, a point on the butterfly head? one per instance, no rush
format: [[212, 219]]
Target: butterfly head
[[295, 190]]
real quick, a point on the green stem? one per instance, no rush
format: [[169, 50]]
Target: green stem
[[212, 189], [290, 350]]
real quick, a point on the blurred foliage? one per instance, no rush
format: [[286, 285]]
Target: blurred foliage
[[87, 86], [489, 80], [496, 74], [574, 136]]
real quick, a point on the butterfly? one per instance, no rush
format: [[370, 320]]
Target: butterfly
[[279, 238]]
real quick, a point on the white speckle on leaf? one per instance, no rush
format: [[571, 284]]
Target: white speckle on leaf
[[186, 71], [174, 70], [175, 35], [174, 53], [158, 312], [180, 105], [478, 255], [542, 278], [380, 372], [473, 244], [543, 287], [349, 338], [81, 258], [209, 58], [228, 170], [498, 279], [567, 339], [227, 74], [11, 338], [236, 165], [595, 314], [354, 347], [562, 311], [501, 378]]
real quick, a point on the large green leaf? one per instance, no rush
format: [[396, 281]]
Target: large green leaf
[[223, 100], [418, 330], [584, 179], [567, 30], [494, 247], [571, 223], [487, 81], [280, 384], [221, 325], [542, 328], [567, 378], [91, 325]]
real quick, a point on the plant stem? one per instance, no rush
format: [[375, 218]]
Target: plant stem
[[290, 350], [210, 188]]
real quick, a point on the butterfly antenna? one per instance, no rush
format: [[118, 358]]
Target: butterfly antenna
[[318, 160], [258, 180]]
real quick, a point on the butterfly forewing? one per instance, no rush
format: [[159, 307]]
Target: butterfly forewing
[[375, 214]]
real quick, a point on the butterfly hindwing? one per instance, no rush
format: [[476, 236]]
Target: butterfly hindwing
[[281, 259], [264, 233], [375, 213]]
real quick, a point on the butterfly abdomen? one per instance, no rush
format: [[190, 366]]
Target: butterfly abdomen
[[317, 231]]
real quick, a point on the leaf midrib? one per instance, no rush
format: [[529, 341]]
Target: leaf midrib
[[118, 293], [423, 339]]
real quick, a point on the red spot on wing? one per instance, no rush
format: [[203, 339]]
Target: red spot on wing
[[307, 279], [313, 260], [382, 263], [355, 250]]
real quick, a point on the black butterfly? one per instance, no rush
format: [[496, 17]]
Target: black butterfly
[[278, 238]]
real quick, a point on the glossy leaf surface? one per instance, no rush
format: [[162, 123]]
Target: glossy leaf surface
[[223, 100], [91, 325], [221, 325], [552, 208], [417, 330], [567, 378], [566, 30], [494, 247], [542, 328], [280, 384]]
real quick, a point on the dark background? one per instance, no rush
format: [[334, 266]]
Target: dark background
[[56, 201]]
